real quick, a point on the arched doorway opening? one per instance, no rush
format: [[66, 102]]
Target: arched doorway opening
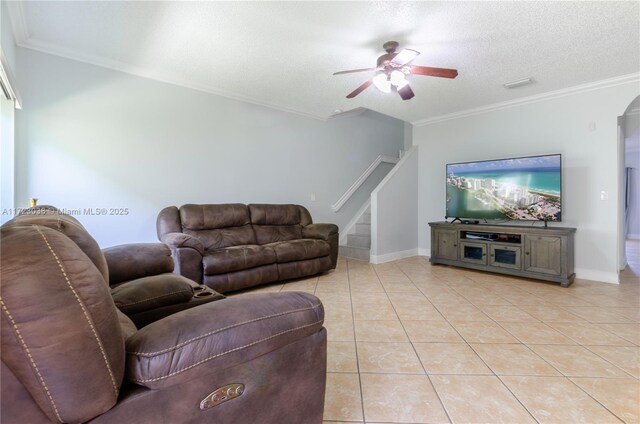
[[629, 227]]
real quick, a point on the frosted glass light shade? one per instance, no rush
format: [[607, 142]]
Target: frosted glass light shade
[[397, 78], [382, 83]]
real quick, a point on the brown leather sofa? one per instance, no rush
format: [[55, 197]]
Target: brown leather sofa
[[233, 246], [68, 354]]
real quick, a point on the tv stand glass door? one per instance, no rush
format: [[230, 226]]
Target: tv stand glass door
[[473, 252], [504, 256]]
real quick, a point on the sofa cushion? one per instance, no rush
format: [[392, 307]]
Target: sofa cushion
[[298, 250], [237, 257]]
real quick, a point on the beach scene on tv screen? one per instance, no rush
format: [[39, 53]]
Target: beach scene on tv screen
[[517, 189]]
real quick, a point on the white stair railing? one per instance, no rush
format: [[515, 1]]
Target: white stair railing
[[361, 179]]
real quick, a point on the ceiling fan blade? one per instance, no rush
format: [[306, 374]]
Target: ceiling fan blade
[[434, 72], [406, 92], [354, 70], [360, 89], [405, 56]]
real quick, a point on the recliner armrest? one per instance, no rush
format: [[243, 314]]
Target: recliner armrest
[[130, 261], [219, 335], [319, 231], [153, 292], [176, 240]]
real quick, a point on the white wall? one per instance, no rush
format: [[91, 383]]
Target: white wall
[[408, 135], [394, 212], [91, 137], [582, 127], [6, 36]]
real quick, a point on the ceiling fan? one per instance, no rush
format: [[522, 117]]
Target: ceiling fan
[[391, 70]]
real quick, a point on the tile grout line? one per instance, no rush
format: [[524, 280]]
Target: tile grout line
[[444, 408], [490, 289], [355, 343]]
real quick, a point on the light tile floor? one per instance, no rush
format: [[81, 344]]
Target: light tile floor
[[415, 343]]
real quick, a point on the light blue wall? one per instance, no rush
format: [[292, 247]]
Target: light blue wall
[[582, 127], [97, 138], [394, 212]]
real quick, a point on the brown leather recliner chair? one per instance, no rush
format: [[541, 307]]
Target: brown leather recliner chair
[[69, 355], [140, 275]]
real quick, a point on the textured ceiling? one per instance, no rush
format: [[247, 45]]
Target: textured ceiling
[[283, 54]]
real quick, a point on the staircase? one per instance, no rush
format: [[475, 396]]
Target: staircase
[[359, 242]]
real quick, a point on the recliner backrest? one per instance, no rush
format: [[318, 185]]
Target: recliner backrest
[[61, 336], [218, 226], [273, 223], [51, 217]]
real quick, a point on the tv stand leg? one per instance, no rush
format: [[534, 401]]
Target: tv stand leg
[[455, 219]]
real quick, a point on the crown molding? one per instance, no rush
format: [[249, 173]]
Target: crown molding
[[18, 19], [349, 113], [56, 50], [582, 88]]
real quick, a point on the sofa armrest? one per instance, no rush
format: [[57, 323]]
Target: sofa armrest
[[130, 261], [177, 240], [218, 335], [319, 231]]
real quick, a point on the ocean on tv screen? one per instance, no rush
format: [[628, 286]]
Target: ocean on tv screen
[[516, 189]]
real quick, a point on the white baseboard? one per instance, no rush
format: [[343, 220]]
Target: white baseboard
[[424, 252], [595, 275], [633, 236], [393, 256]]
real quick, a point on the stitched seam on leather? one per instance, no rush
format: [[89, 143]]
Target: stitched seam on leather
[[180, 345], [31, 360], [122, 305], [227, 352], [84, 311]]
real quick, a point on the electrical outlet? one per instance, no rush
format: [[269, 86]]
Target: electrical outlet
[[313, 197], [604, 195]]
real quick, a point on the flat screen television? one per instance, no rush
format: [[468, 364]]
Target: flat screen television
[[526, 188]]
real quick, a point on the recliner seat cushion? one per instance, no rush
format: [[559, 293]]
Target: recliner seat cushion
[[298, 250], [224, 237], [236, 258]]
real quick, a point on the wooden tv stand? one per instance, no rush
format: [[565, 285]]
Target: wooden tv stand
[[524, 251]]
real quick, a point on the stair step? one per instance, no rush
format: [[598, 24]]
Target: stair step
[[363, 228], [352, 252], [359, 240], [365, 219]]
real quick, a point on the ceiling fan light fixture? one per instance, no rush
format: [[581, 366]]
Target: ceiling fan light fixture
[[382, 83], [397, 79]]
